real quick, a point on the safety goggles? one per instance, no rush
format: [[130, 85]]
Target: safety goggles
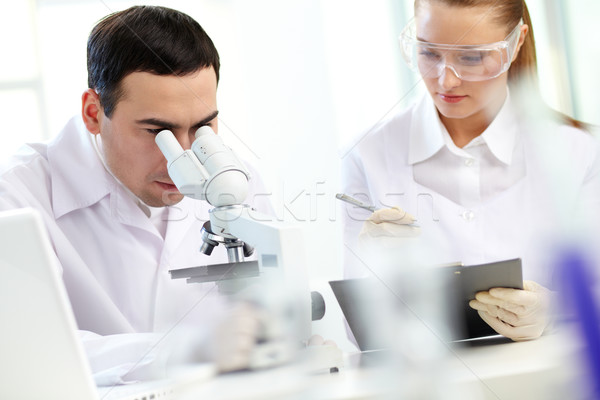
[[468, 62]]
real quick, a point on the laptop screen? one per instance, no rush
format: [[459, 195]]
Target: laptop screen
[[41, 353]]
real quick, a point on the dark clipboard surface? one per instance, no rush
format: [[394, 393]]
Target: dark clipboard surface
[[465, 281]]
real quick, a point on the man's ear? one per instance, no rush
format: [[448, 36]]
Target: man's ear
[[91, 111]]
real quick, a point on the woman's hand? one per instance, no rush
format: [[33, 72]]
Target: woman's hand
[[515, 313], [389, 222]]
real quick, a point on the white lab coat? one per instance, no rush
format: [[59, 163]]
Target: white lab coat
[[114, 261], [523, 221]]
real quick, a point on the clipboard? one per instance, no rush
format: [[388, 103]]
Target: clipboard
[[465, 281], [461, 283]]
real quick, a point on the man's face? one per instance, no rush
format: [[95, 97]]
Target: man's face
[[152, 103]]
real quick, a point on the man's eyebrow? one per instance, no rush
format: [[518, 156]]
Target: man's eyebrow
[[172, 126], [206, 120], [158, 122]]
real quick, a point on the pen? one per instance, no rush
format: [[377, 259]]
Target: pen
[[353, 201]]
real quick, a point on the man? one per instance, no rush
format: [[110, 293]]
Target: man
[[116, 221]]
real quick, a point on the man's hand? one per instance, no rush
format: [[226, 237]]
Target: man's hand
[[515, 313], [317, 340], [236, 337]]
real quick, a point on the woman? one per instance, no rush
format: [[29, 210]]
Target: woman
[[467, 161]]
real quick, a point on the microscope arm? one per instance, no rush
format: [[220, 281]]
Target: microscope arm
[[281, 254]]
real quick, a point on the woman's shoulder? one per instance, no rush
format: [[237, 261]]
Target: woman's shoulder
[[579, 147], [577, 138], [390, 131]]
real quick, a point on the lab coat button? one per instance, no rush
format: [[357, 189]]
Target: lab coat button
[[468, 215], [469, 162]]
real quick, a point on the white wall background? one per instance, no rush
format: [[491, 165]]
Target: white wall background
[[299, 78]]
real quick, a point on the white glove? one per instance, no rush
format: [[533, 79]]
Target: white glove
[[389, 222], [515, 313]]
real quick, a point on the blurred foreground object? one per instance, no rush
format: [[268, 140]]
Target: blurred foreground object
[[577, 284]]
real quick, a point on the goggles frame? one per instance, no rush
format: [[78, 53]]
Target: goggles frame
[[408, 42]]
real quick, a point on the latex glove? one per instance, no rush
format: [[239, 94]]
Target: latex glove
[[515, 313], [389, 222]]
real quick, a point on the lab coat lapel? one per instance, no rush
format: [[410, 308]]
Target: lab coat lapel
[[124, 209], [185, 220]]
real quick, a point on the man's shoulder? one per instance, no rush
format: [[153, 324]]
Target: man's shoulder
[[37, 151], [25, 178], [28, 173], [30, 159]]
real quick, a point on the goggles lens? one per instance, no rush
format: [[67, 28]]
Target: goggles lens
[[468, 62]]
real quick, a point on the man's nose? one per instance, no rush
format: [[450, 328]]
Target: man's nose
[[449, 78], [185, 140]]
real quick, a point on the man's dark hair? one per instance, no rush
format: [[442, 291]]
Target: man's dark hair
[[145, 39]]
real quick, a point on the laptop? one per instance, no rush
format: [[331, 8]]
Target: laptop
[[41, 355], [369, 305]]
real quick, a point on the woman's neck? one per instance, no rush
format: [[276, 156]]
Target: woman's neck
[[464, 130]]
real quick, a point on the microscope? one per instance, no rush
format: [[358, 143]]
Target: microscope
[[211, 171]]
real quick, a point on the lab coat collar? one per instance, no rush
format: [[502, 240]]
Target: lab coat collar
[[501, 135], [80, 180], [425, 136], [427, 132]]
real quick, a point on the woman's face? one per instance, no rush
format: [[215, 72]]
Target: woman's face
[[453, 97]]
